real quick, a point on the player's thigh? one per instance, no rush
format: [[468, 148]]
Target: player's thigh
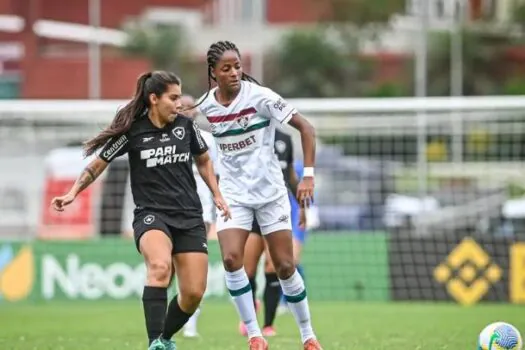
[[275, 221], [241, 218], [192, 275], [232, 235], [153, 241], [275, 216], [190, 259], [253, 251]]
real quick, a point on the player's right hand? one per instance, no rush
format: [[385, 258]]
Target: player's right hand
[[221, 204], [58, 203]]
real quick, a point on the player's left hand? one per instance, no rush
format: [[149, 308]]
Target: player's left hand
[[220, 203], [305, 191]]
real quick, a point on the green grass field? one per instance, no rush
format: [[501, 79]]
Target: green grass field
[[349, 326]]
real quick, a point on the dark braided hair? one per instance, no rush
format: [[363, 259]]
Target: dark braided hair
[[213, 56]]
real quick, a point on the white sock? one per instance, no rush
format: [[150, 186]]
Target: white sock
[[239, 287], [191, 325], [295, 295]]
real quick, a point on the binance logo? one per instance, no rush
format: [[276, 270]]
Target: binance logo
[[16, 272], [467, 272]]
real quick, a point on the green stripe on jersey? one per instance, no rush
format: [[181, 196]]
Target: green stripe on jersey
[[253, 127]]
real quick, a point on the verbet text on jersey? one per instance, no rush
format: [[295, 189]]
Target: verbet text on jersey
[[236, 146]]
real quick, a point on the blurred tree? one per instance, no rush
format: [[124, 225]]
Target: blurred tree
[[482, 52], [308, 65], [325, 62], [161, 45], [388, 89], [514, 86], [352, 21], [518, 17]]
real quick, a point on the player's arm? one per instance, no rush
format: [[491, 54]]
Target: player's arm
[[90, 173], [204, 164], [307, 131], [283, 112], [294, 179], [114, 148], [206, 171], [86, 178], [305, 189]]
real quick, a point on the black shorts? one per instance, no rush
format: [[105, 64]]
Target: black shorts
[[183, 238], [256, 228]]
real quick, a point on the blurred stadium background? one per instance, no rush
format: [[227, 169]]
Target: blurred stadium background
[[420, 111]]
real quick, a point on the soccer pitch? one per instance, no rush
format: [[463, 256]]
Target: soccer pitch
[[105, 325]]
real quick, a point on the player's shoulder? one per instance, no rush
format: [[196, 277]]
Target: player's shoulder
[[138, 126], [182, 119], [205, 133], [207, 136], [257, 91], [206, 101]]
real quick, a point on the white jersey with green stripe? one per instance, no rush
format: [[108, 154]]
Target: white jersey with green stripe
[[244, 132]]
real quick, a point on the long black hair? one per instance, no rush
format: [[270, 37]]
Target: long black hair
[[148, 83], [213, 56]]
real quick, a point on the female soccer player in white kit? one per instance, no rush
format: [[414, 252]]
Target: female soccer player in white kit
[[243, 116]]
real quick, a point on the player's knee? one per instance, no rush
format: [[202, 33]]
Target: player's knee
[[285, 269], [191, 297], [232, 261], [268, 266], [159, 272]]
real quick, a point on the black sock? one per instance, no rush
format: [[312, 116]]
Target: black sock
[[155, 301], [175, 319], [272, 294], [253, 284]]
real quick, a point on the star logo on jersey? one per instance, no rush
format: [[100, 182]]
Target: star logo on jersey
[[148, 220], [178, 132]]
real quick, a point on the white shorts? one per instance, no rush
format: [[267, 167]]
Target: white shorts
[[271, 217], [206, 198], [208, 213]]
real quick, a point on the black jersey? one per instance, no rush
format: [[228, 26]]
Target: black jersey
[[284, 149], [160, 163]]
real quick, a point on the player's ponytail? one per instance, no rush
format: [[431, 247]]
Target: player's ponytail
[[148, 83]]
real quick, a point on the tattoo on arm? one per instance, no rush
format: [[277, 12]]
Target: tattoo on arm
[[86, 178], [90, 172]]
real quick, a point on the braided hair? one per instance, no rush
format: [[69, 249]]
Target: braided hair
[[213, 56]]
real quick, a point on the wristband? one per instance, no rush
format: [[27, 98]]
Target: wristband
[[308, 172]]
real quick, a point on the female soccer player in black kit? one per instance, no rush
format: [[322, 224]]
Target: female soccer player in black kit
[[168, 226]]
